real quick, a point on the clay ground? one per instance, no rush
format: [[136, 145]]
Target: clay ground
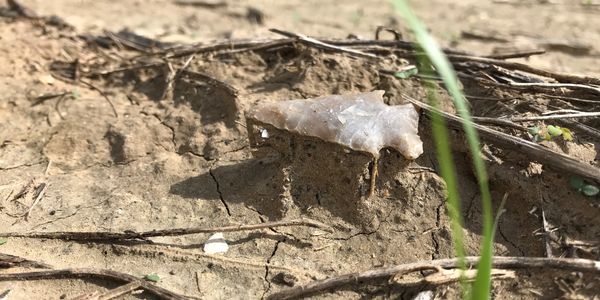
[[183, 160]]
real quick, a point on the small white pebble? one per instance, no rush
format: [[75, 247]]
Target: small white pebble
[[264, 134], [216, 244]]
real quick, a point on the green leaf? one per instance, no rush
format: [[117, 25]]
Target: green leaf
[[590, 190], [481, 288], [554, 131], [75, 94], [535, 130], [576, 182], [3, 241], [152, 277], [404, 74], [567, 134], [296, 17]]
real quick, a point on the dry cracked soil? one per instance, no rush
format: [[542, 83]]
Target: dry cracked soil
[[176, 155]]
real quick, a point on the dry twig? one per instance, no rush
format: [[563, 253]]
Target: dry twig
[[534, 151], [582, 265], [10, 261], [557, 117], [112, 106], [202, 3], [94, 273], [129, 235], [560, 77], [517, 54], [499, 122], [110, 294], [40, 191], [323, 45]]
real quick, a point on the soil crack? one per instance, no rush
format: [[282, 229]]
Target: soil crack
[[194, 154], [365, 233], [22, 166], [210, 171], [501, 232], [434, 240], [170, 128], [266, 278]]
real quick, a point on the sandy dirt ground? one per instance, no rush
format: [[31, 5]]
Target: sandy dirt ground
[[160, 156]]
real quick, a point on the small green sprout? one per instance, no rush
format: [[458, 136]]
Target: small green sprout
[[3, 241], [554, 131], [547, 133], [581, 186], [590, 190], [406, 73], [357, 17], [152, 277], [75, 94], [296, 17]]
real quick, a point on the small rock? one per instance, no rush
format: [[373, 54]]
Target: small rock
[[216, 244], [285, 278]]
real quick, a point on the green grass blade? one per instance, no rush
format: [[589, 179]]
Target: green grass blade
[[481, 288], [447, 170]]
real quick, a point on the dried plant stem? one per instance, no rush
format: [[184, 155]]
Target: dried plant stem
[[128, 235], [570, 264]]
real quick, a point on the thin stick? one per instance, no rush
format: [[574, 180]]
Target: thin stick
[[128, 235], [103, 95], [169, 78], [374, 173], [560, 77], [93, 273], [198, 282], [321, 44], [10, 261], [202, 3], [546, 230], [40, 194], [571, 264], [119, 291], [570, 99], [57, 106], [48, 167], [557, 117], [186, 63], [267, 45], [248, 44], [110, 294], [572, 86], [443, 276], [500, 122], [536, 152], [517, 54], [217, 46]]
